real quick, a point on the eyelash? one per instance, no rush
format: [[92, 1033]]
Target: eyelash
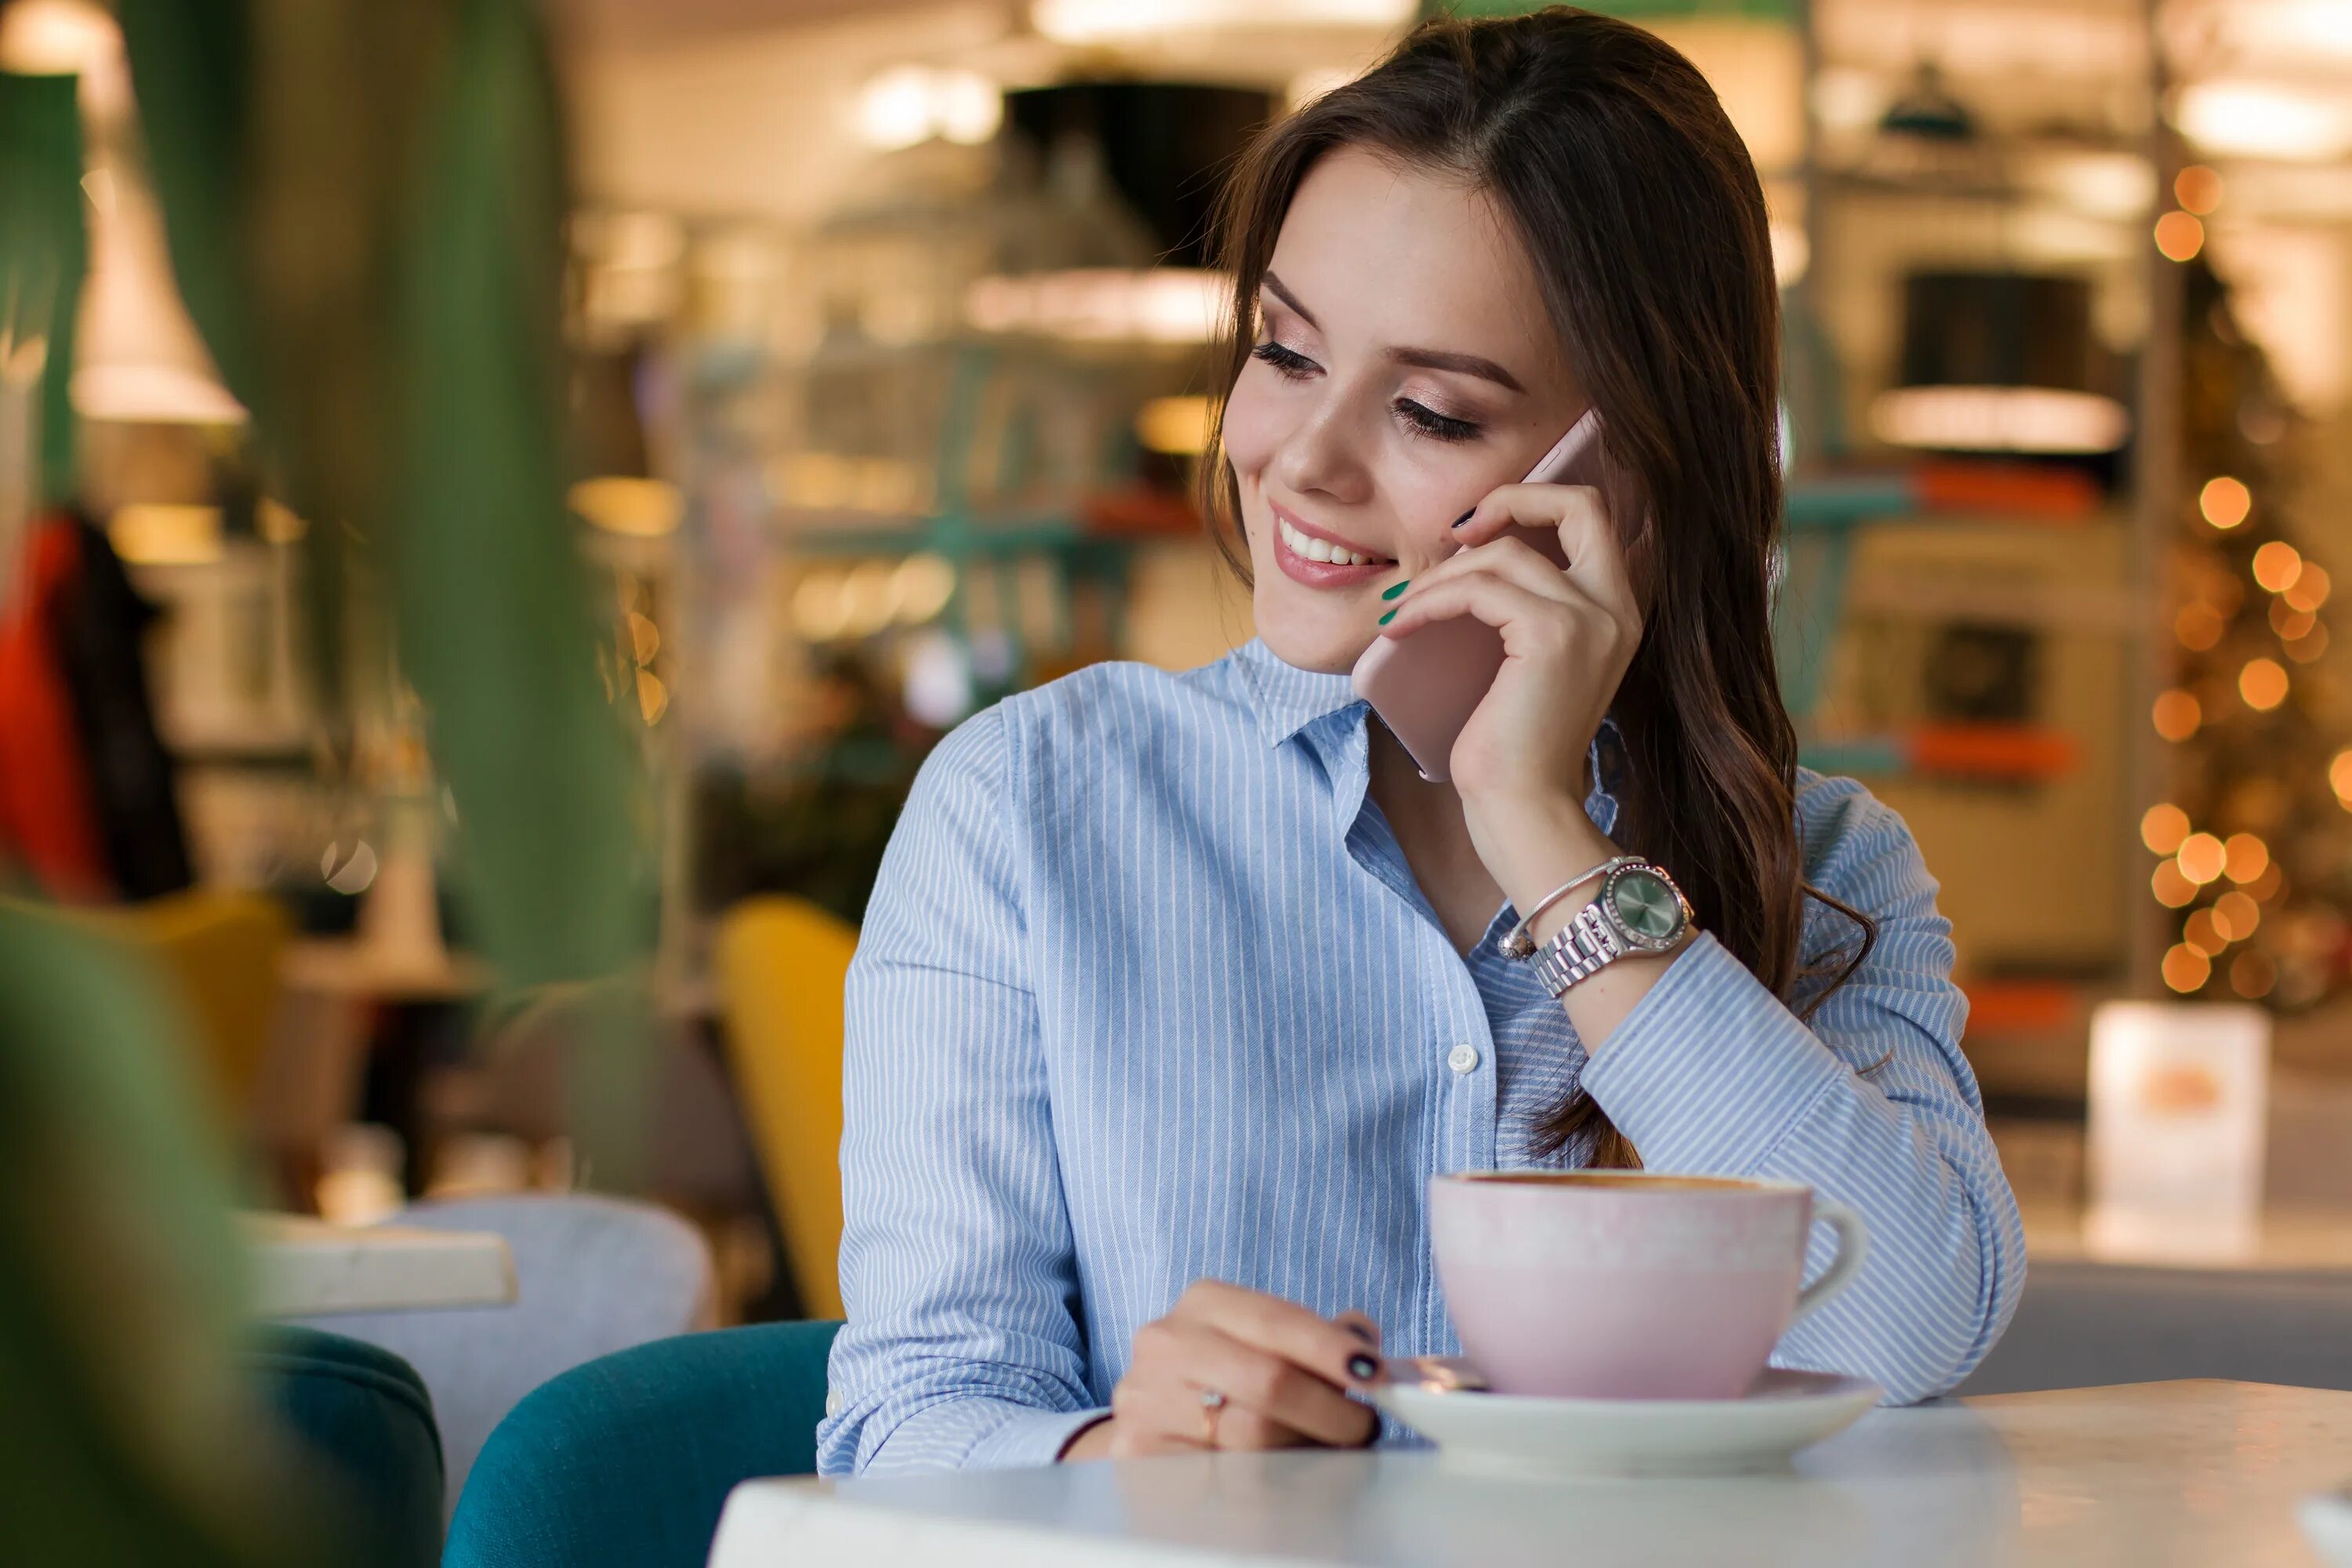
[[1293, 365]]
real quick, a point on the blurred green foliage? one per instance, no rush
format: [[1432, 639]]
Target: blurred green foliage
[[365, 202]]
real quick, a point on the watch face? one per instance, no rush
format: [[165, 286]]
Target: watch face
[[1645, 906]]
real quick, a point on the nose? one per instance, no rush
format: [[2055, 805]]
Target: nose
[[1322, 455]]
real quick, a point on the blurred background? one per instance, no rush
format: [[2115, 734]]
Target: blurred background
[[878, 376]]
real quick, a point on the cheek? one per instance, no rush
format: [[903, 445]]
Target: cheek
[[1255, 425]]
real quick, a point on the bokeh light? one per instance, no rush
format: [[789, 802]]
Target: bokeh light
[[2163, 826], [2201, 932], [2245, 858], [2198, 188], [2277, 565], [2252, 974], [2237, 916], [2186, 969], [2310, 589], [2263, 683], [2172, 890], [2179, 235], [2199, 627], [2201, 857], [2225, 501], [2177, 715]]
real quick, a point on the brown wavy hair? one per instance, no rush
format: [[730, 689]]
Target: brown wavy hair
[[1642, 213]]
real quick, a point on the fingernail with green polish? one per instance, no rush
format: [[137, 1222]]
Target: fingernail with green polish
[[1387, 618], [1394, 589]]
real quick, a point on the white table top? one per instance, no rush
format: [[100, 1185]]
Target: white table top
[[302, 1266], [2177, 1474]]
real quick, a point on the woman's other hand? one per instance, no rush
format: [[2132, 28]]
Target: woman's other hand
[[1283, 1373]]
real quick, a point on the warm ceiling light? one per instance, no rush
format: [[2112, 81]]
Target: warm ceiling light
[[2261, 120], [2263, 683], [2163, 827], [641, 509], [2177, 715], [55, 38], [1157, 305], [2179, 235], [1109, 21], [2277, 565], [2202, 858], [909, 104], [2198, 188], [2225, 501], [2038, 419]]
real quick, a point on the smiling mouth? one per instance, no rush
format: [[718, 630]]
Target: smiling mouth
[[1308, 547]]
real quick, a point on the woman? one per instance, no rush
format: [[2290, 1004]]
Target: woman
[[1176, 990]]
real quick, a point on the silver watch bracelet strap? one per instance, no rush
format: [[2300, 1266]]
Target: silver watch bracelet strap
[[1584, 947], [1521, 942]]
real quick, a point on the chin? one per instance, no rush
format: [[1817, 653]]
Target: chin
[[1299, 641]]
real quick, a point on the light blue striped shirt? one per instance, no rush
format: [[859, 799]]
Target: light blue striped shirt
[[1148, 993]]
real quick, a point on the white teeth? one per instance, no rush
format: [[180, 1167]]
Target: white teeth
[[1310, 548]]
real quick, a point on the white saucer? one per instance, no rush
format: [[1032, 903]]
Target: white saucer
[[2327, 1525], [1784, 1412]]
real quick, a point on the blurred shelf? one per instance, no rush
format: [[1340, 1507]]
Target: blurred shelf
[[2020, 753]]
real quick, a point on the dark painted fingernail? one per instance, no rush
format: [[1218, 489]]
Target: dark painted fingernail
[[1361, 1333], [1363, 1368], [1387, 618], [1391, 591], [1466, 517]]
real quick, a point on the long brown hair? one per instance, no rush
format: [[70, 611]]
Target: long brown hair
[[1641, 211]]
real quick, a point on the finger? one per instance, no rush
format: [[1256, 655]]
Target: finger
[[1362, 1327], [1284, 1328], [1510, 557], [1270, 1386], [1531, 625], [1158, 1416], [1578, 514]]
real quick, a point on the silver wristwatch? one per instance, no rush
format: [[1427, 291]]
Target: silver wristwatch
[[1637, 910]]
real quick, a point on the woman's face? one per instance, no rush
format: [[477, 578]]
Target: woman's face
[[1405, 367]]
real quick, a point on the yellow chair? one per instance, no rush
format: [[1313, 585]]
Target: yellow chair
[[781, 964], [222, 950]]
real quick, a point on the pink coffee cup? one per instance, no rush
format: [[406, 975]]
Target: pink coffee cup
[[1626, 1285]]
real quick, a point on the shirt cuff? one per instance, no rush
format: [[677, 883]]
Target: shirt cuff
[[1031, 1437], [1710, 1070]]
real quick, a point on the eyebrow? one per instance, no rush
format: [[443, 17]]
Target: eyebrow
[[1427, 359]]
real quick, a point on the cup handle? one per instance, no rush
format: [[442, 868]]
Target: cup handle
[[1854, 1246]]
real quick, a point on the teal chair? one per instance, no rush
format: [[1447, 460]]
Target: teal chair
[[624, 1462], [363, 1425]]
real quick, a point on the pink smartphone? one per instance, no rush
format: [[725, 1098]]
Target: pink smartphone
[[1425, 686]]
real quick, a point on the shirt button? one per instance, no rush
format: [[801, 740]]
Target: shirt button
[[1462, 1058]]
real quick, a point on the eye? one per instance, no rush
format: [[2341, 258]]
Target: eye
[[1286, 361], [1434, 424]]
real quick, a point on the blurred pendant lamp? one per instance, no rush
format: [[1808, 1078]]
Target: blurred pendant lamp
[[2000, 361], [137, 354]]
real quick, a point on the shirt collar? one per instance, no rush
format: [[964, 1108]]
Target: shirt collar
[[1290, 699]]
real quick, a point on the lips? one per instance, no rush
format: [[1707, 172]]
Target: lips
[[1315, 560]]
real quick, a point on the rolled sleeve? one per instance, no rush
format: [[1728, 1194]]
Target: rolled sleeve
[[1869, 1101]]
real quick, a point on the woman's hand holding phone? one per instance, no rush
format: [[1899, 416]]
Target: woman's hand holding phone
[[1567, 638]]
